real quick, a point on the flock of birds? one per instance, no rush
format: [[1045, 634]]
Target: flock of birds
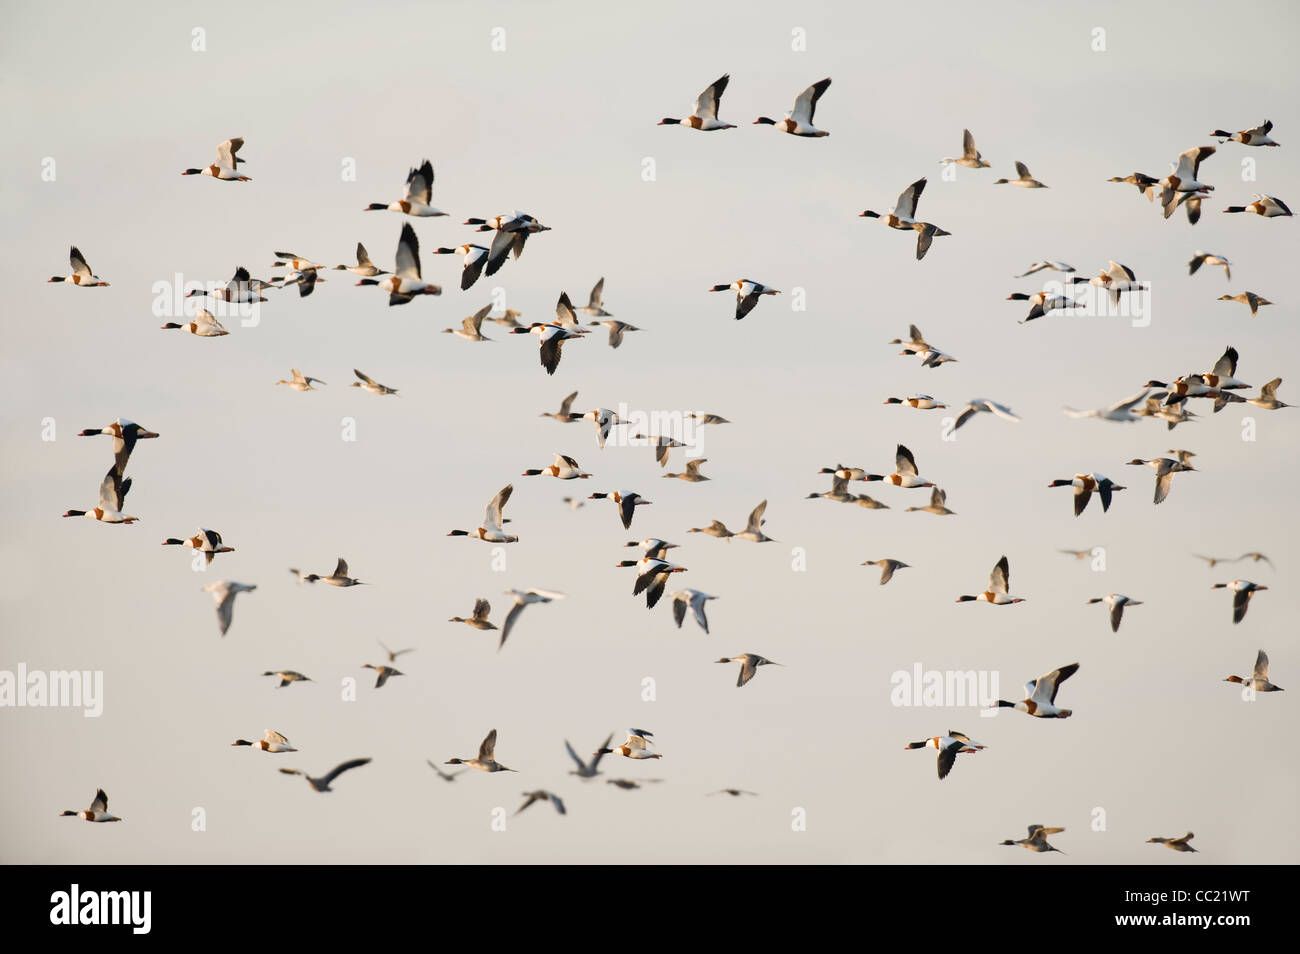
[[1160, 400]]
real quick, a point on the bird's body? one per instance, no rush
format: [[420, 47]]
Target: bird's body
[[271, 741], [1116, 602], [704, 115], [949, 747], [1258, 679], [97, 812], [999, 581], [749, 663], [225, 168], [1040, 695], [1242, 592], [419, 191], [799, 120], [485, 761], [1037, 840]]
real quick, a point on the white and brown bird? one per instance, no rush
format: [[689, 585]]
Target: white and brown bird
[[125, 433], [637, 746], [419, 192], [1040, 695], [799, 120], [271, 741], [626, 501], [949, 747], [704, 115], [406, 281], [204, 324], [81, 273], [491, 529], [748, 294], [226, 166], [97, 812], [999, 581], [903, 218]]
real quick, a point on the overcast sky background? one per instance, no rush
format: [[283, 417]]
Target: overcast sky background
[[559, 125]]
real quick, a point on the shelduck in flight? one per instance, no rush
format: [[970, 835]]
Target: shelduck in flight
[[491, 531], [419, 190], [996, 594], [903, 217], [97, 812], [705, 114], [81, 274], [226, 166], [949, 747], [1040, 695], [799, 120], [207, 542], [748, 294], [405, 282], [1084, 485], [1255, 136]]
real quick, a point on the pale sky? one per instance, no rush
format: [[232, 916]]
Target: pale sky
[[559, 124]]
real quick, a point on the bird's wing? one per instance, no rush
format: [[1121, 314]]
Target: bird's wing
[[492, 515], [340, 769], [805, 105], [489, 745], [746, 303], [1261, 665], [706, 104], [407, 264], [1000, 578], [113, 490], [508, 625], [905, 208], [905, 462], [756, 517], [419, 184]]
